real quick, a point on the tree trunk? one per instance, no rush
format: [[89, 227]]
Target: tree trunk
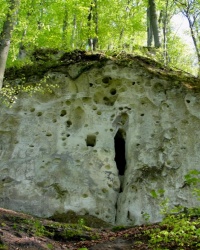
[[5, 38], [93, 17], [195, 42], [73, 32], [164, 20], [65, 24], [154, 23], [39, 22], [191, 11], [149, 29], [121, 45]]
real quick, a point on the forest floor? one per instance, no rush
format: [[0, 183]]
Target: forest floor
[[21, 231]]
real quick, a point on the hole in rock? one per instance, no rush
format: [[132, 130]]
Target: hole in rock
[[94, 108], [68, 102], [63, 113], [69, 123], [86, 99], [113, 91], [106, 79], [120, 148], [32, 110], [48, 134], [91, 140], [107, 101]]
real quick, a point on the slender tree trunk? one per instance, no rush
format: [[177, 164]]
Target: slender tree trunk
[[165, 39], [164, 23], [73, 32], [40, 24], [95, 39], [93, 17], [154, 23], [5, 37], [191, 11], [22, 49], [191, 24], [65, 24], [124, 24], [149, 30]]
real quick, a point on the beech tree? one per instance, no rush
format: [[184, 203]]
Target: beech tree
[[164, 21], [152, 27], [93, 22], [5, 38]]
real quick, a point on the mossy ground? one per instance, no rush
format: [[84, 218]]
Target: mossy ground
[[22, 231]]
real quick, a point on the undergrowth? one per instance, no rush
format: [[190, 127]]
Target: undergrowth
[[180, 228]]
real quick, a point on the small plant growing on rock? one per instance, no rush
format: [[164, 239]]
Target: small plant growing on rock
[[193, 179], [145, 216], [180, 228], [81, 222]]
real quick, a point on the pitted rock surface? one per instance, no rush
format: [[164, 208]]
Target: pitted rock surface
[[58, 150]]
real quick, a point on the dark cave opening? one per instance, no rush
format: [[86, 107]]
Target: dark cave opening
[[120, 148]]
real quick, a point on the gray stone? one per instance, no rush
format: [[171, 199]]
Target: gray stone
[[57, 149]]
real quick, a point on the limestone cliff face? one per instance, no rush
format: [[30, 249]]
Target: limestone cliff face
[[101, 143]]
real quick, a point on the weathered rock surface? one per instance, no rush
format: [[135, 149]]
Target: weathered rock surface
[[101, 142]]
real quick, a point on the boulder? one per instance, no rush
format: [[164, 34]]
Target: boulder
[[114, 138]]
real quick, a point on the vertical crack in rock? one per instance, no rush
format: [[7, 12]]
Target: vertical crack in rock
[[120, 158]]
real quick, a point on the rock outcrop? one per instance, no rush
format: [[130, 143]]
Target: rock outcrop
[[110, 137]]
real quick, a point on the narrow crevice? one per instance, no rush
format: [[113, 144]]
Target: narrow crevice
[[120, 159], [116, 209], [120, 155]]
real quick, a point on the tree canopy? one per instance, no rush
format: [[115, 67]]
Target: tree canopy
[[103, 25]]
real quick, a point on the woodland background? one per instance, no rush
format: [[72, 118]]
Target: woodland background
[[134, 26]]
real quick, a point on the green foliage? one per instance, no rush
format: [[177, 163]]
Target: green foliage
[[180, 228], [9, 94], [193, 179], [81, 222], [64, 25], [50, 246], [158, 193], [146, 217], [54, 230], [176, 231], [39, 229], [184, 61], [3, 247]]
